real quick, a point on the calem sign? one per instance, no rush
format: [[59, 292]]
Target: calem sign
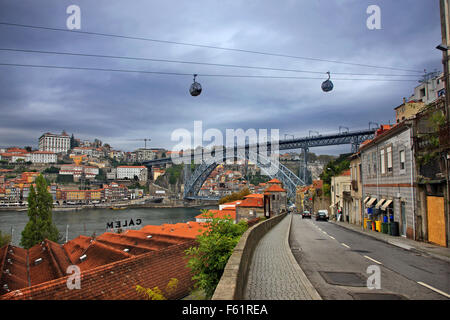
[[123, 223]]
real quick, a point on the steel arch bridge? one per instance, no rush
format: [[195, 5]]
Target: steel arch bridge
[[270, 166], [194, 181]]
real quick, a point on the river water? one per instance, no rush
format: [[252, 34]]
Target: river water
[[88, 221]]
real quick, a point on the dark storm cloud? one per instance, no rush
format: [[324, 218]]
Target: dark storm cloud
[[117, 107]]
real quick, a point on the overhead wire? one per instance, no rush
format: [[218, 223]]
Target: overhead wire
[[186, 74], [197, 63], [204, 46]]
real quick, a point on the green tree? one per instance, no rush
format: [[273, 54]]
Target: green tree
[[4, 239], [40, 225], [156, 293], [207, 261], [235, 196]]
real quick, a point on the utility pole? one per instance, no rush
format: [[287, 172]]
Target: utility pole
[[444, 47]]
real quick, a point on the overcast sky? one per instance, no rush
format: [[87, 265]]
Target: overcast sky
[[117, 107]]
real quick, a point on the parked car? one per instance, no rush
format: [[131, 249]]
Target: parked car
[[306, 214], [322, 215]]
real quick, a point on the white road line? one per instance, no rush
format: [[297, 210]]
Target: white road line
[[372, 259], [332, 237], [345, 245], [434, 289], [325, 232]]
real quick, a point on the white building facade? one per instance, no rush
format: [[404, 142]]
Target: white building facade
[[54, 142], [43, 157], [129, 172]]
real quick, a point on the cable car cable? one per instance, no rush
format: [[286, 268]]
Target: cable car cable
[[202, 46]]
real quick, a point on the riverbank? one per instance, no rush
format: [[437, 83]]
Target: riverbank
[[89, 221], [119, 206]]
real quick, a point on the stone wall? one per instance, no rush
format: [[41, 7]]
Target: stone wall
[[234, 279]]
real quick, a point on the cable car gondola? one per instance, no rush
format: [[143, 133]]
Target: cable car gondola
[[327, 85], [195, 88]]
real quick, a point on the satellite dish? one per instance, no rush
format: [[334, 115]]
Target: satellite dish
[[327, 85], [195, 88]]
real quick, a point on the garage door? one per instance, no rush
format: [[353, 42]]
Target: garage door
[[436, 220]]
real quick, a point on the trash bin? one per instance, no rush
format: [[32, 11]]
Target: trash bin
[[373, 226], [369, 224], [378, 226], [365, 223], [384, 227], [394, 229], [385, 219]]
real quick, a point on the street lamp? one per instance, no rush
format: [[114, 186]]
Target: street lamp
[[341, 127], [442, 47], [373, 123], [287, 134], [313, 131]]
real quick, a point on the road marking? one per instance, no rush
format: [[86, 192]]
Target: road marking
[[332, 237], [372, 260], [325, 232], [345, 245], [434, 289]]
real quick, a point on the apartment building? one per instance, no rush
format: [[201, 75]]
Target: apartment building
[[57, 143], [43, 157], [340, 196], [388, 173], [129, 172]]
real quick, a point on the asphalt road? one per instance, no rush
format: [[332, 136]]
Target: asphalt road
[[327, 254]]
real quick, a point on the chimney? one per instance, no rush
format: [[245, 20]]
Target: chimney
[[404, 100]]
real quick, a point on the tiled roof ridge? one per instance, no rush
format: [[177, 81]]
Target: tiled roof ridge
[[55, 264], [164, 235], [110, 248], [3, 259], [137, 246], [93, 271]]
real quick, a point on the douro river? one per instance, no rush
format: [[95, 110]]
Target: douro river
[[90, 221]]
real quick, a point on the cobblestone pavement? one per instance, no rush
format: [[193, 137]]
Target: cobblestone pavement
[[274, 273]]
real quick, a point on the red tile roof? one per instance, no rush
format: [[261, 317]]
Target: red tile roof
[[275, 188], [252, 202], [46, 277]]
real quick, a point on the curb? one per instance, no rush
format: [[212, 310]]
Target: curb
[[314, 295], [396, 243]]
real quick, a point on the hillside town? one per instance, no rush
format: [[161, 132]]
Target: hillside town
[[92, 173]]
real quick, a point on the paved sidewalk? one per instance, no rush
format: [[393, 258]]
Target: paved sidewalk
[[274, 274], [402, 242]]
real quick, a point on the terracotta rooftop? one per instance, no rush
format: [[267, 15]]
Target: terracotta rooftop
[[275, 188], [274, 180], [47, 262], [252, 202]]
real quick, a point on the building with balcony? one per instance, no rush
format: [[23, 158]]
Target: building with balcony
[[388, 177], [340, 196], [129, 172], [43, 157], [54, 142]]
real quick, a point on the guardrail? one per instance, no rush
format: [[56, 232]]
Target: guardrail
[[234, 278]]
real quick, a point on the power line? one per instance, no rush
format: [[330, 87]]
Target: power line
[[198, 63], [203, 46], [186, 74]]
